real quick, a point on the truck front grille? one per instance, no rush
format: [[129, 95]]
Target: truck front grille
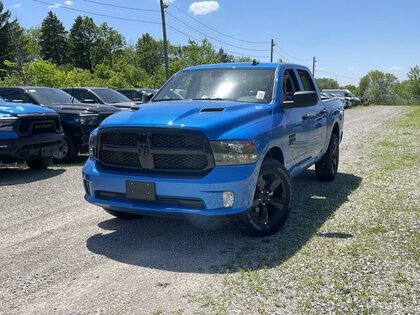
[[29, 125], [155, 150]]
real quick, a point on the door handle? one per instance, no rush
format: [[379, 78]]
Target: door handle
[[306, 117], [322, 112]]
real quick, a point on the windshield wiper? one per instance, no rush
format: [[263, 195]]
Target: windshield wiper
[[167, 99], [212, 99]]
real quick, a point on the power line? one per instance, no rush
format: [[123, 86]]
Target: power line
[[99, 14], [184, 23], [291, 56], [141, 21], [121, 6], [214, 30]]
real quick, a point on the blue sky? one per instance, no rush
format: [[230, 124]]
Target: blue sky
[[348, 37]]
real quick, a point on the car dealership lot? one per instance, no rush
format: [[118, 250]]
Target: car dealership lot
[[60, 254]]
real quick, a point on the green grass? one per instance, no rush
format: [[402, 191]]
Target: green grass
[[373, 272]]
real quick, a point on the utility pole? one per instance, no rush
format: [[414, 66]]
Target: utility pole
[[272, 49], [313, 66], [163, 6]]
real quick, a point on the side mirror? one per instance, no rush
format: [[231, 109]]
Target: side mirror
[[146, 97], [304, 98]]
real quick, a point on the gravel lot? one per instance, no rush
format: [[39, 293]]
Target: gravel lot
[[59, 254]]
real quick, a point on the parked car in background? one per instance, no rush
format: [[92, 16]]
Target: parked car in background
[[352, 99], [227, 145], [29, 133], [100, 95], [77, 119], [136, 94]]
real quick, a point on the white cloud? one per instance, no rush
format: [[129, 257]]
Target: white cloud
[[203, 7], [54, 6], [350, 68], [395, 68], [17, 5], [69, 2]]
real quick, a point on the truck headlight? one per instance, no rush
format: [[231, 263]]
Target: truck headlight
[[89, 120], [93, 144], [233, 152], [7, 124]]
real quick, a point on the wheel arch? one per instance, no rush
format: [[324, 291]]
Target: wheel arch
[[275, 153]]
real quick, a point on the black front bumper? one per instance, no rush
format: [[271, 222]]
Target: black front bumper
[[28, 148]]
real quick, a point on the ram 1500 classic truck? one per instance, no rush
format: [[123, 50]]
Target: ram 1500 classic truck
[[29, 133], [77, 119], [217, 140]]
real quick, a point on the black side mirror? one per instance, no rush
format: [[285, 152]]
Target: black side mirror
[[302, 99], [146, 97]]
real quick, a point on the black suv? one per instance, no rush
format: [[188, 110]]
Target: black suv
[[77, 119], [100, 95]]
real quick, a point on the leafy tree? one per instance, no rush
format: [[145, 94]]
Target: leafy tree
[[224, 57], [53, 40], [414, 81], [81, 41], [109, 43], [379, 87], [32, 39], [149, 53], [327, 83], [351, 88]]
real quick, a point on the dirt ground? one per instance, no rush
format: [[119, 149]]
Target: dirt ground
[[59, 254]]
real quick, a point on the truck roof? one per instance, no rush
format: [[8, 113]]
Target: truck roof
[[243, 65]]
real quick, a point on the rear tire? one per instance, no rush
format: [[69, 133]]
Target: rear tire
[[68, 151], [122, 215], [326, 169], [40, 163], [272, 200]]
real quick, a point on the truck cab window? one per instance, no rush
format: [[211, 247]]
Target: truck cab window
[[290, 85], [305, 78]]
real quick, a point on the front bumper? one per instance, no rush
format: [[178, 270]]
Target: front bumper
[[174, 195], [28, 148]]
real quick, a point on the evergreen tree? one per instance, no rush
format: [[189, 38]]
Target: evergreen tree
[[54, 45], [6, 45], [149, 53], [81, 41]]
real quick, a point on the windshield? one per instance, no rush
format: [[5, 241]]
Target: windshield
[[50, 96], [111, 96], [240, 85]]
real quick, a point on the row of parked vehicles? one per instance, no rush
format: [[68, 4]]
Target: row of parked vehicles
[[58, 123], [347, 98]]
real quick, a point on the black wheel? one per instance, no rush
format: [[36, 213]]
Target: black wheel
[[68, 151], [272, 200], [326, 168], [122, 215], [40, 163]]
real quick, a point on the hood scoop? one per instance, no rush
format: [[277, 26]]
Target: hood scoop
[[212, 110]]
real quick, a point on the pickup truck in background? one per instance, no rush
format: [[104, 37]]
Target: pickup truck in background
[[218, 140], [100, 95], [77, 119], [29, 133]]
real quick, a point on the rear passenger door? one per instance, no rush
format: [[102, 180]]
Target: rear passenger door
[[317, 116]]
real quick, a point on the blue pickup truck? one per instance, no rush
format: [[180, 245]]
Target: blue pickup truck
[[29, 133], [218, 140]]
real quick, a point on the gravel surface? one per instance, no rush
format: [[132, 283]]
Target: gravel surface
[[59, 254]]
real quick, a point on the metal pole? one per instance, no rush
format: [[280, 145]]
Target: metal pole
[[272, 49], [165, 42], [313, 66]]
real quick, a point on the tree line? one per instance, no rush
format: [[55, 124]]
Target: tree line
[[97, 55]]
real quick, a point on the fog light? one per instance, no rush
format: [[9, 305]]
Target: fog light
[[228, 199]]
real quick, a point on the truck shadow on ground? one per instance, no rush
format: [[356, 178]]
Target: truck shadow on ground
[[20, 174], [177, 245]]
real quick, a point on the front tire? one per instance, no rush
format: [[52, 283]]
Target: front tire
[[326, 169], [272, 200], [68, 151], [122, 215], [40, 163]]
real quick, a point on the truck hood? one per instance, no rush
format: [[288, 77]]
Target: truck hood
[[15, 109], [123, 105], [213, 118], [81, 108]]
